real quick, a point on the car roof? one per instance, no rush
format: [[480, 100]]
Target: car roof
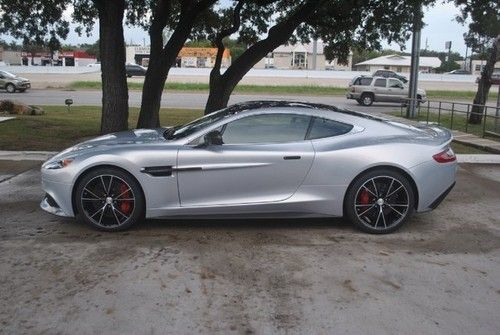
[[280, 104]]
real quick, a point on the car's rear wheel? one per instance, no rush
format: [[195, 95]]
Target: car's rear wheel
[[380, 201], [367, 99], [109, 199], [10, 88]]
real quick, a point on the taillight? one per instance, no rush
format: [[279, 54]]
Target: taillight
[[445, 156]]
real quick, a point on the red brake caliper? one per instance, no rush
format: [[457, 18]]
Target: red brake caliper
[[125, 206], [364, 197]]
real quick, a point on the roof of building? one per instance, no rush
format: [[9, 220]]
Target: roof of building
[[399, 60], [300, 48]]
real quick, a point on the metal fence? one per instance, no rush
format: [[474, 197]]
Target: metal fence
[[455, 116]]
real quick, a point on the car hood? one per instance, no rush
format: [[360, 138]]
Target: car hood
[[129, 137], [20, 79]]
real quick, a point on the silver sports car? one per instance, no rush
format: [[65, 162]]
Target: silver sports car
[[256, 159]]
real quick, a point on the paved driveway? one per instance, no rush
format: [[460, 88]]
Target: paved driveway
[[439, 274]]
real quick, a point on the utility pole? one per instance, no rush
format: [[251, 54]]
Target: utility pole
[[315, 54], [415, 58]]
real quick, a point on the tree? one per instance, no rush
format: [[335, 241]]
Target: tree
[[35, 23], [182, 16], [484, 31], [92, 49], [111, 15], [341, 24]]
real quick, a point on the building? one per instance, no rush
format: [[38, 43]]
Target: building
[[476, 66], [9, 57], [188, 57], [58, 58], [301, 57], [398, 63]]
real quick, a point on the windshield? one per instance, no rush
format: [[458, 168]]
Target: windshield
[[7, 74], [198, 124]]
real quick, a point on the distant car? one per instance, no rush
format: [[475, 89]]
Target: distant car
[[464, 72], [366, 90], [12, 83], [135, 70], [494, 80], [256, 159], [94, 65], [390, 74]]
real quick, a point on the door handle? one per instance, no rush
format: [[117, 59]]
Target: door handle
[[291, 157]]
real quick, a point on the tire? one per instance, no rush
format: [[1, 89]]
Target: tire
[[379, 201], [366, 99], [109, 199], [10, 88]]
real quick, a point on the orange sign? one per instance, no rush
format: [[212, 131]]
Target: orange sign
[[202, 52]]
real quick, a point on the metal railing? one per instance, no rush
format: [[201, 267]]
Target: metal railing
[[455, 116]]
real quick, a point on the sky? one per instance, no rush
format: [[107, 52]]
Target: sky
[[439, 19]]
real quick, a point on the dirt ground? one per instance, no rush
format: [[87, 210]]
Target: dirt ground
[[440, 274]]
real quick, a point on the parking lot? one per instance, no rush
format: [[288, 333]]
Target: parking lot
[[439, 274]]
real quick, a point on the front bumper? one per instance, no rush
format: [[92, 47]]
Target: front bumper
[[49, 205], [24, 85]]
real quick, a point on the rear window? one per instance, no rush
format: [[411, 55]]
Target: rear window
[[322, 128], [362, 81]]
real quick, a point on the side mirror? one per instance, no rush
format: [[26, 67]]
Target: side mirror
[[213, 138]]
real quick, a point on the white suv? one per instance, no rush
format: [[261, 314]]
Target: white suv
[[366, 90]]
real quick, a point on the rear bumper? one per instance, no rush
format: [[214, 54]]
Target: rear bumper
[[440, 199]]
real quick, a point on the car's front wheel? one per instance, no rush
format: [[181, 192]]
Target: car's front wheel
[[109, 199], [10, 88], [380, 201]]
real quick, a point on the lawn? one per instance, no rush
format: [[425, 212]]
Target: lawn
[[311, 90], [59, 129]]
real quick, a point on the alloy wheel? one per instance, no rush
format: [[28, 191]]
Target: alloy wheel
[[108, 201], [382, 202]]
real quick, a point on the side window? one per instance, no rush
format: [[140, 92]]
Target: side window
[[268, 128], [380, 82], [362, 81], [394, 83], [322, 128]]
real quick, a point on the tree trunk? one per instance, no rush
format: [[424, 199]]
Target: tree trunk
[[484, 85], [162, 57], [221, 89], [114, 81]]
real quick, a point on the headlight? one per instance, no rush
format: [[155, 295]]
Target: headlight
[[59, 164]]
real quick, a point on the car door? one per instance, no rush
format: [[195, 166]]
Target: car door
[[396, 90], [380, 89], [264, 158]]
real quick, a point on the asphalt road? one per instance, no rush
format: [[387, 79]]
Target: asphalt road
[[177, 99], [440, 274]]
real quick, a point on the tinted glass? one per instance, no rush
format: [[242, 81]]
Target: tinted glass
[[269, 128], [380, 82], [322, 128], [363, 81]]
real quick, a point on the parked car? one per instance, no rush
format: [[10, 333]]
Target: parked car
[[389, 74], [463, 72], [135, 70], [494, 80], [97, 64], [12, 83], [256, 159], [366, 90]]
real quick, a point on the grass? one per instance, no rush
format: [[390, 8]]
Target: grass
[[59, 129], [460, 148], [459, 121], [312, 90]]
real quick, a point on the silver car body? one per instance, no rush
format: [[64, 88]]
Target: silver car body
[[306, 178]]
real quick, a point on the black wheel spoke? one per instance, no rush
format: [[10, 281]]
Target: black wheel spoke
[[107, 210]]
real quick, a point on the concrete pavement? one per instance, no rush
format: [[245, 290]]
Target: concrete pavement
[[440, 274]]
